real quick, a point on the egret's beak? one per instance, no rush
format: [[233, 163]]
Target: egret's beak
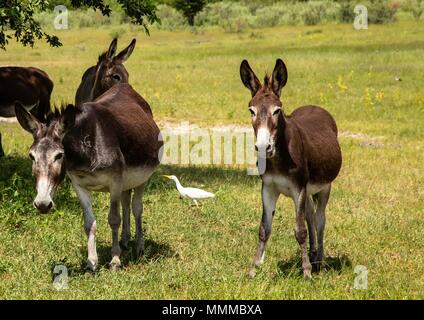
[[169, 177]]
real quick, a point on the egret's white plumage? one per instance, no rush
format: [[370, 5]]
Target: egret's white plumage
[[191, 193]]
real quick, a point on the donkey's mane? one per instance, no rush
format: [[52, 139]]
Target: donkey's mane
[[58, 110], [102, 57], [267, 80]]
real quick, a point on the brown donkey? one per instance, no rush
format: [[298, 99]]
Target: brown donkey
[[110, 145], [32, 87], [298, 156], [108, 71]]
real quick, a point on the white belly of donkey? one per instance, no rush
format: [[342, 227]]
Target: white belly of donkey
[[104, 180], [288, 188]]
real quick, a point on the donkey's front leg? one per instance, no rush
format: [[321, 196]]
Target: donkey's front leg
[[84, 197], [269, 199], [114, 222], [301, 233]]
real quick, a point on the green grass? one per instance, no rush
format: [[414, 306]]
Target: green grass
[[374, 216]]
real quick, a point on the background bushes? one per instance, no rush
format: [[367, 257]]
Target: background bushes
[[84, 18], [237, 16]]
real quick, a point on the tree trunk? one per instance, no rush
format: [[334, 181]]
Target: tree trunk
[[190, 19]]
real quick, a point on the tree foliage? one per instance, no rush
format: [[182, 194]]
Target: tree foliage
[[189, 8], [17, 16]]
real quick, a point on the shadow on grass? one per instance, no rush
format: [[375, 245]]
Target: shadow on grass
[[13, 164], [287, 268], [154, 252]]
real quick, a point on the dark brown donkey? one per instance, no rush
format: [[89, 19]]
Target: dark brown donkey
[[110, 145], [32, 87], [298, 156], [108, 71]]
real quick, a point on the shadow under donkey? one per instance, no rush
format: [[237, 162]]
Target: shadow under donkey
[[153, 252], [293, 266]]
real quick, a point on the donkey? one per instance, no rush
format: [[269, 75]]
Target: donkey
[[301, 157], [108, 71], [110, 145], [32, 87]]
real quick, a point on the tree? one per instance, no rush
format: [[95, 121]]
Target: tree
[[18, 16], [189, 8]]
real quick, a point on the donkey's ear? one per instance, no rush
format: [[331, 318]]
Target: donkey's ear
[[249, 78], [279, 77], [125, 54], [112, 49], [66, 120], [26, 119]]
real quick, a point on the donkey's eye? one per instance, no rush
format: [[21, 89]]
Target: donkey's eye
[[116, 77], [252, 112], [276, 111], [58, 156], [31, 156]]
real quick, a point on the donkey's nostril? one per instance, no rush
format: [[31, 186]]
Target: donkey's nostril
[[43, 206], [256, 147], [269, 148]]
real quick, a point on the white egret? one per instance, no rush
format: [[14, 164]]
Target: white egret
[[191, 193]]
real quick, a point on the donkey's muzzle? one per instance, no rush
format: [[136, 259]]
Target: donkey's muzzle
[[265, 151], [43, 206]]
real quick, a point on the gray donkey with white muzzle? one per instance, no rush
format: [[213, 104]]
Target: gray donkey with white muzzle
[[110, 145]]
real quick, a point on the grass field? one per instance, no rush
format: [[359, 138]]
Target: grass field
[[375, 214]]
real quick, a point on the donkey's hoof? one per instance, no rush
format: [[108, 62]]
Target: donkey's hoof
[[139, 248], [91, 267], [307, 274], [115, 264], [252, 273]]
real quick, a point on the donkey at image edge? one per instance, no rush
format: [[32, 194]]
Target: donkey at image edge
[[30, 86], [301, 157]]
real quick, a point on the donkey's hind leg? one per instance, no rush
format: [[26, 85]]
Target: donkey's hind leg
[[126, 220], [137, 207], [301, 233], [310, 220], [114, 220], [322, 200]]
